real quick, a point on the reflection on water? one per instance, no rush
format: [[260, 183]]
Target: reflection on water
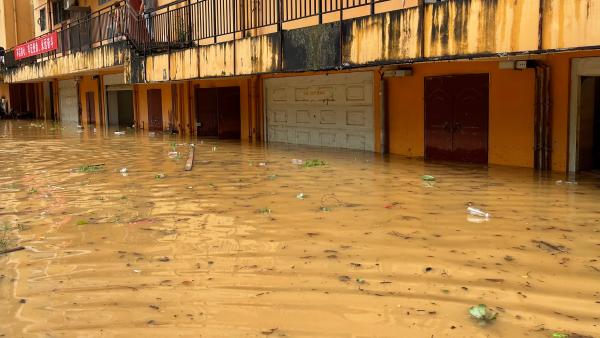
[[249, 244]]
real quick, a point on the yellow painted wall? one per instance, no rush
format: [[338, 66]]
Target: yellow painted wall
[[142, 103], [571, 23], [38, 6], [16, 22], [481, 26], [510, 116], [98, 59], [88, 84], [561, 83], [390, 36]]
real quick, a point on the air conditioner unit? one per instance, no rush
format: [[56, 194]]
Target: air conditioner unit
[[70, 4]]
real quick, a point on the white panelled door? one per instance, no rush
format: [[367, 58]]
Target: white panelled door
[[321, 110], [67, 100]]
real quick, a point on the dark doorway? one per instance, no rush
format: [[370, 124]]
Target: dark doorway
[[589, 124], [90, 107], [23, 100], [218, 112], [456, 118], [120, 108], [155, 122]]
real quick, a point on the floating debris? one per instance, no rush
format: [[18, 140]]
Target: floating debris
[[264, 211], [344, 279], [313, 163], [483, 314], [90, 168], [428, 178], [477, 212], [550, 247]]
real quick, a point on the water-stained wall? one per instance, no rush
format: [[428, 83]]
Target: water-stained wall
[[571, 24], [384, 37], [463, 27], [113, 55], [252, 55]]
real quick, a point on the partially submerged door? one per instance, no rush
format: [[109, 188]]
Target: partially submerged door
[[334, 110], [456, 118], [218, 112], [67, 101], [155, 110], [90, 107], [207, 115], [229, 112]]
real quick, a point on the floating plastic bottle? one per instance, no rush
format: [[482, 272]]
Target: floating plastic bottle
[[477, 212]]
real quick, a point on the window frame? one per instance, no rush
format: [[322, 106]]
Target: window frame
[[43, 19]]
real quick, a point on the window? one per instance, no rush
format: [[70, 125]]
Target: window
[[102, 2], [42, 20], [58, 12]]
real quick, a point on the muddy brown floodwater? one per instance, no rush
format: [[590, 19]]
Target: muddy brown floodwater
[[248, 244]]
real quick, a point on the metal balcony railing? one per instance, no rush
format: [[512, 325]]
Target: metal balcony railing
[[183, 23], [96, 29]]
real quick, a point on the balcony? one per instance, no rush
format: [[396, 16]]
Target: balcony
[[188, 23], [98, 29]]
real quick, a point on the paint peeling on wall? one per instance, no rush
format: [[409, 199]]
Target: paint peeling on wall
[[463, 27]]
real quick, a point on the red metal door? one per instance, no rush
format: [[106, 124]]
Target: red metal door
[[207, 112], [456, 118], [471, 110], [438, 119], [155, 122]]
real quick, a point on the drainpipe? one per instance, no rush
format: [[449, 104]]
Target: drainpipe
[[383, 113], [79, 108], [542, 119], [16, 28]]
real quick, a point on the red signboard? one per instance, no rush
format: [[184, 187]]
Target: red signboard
[[44, 44]]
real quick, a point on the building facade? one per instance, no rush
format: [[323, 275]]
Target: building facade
[[481, 81]]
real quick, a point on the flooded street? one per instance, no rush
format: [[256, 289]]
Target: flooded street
[[249, 244]]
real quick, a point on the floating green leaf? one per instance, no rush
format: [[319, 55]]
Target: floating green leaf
[[428, 178], [560, 335], [90, 168], [482, 313], [313, 163]]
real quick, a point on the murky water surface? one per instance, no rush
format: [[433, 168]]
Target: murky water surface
[[249, 244]]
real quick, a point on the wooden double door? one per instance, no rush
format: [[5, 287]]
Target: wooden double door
[[218, 112], [456, 118]]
